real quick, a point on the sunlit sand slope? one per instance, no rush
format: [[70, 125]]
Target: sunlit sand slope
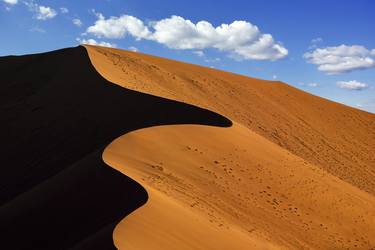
[[294, 172], [229, 188], [332, 136]]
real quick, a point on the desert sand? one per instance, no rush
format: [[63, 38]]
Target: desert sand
[[105, 148], [294, 171], [251, 193]]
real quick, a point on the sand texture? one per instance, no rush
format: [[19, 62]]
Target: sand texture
[[295, 171], [104, 148]]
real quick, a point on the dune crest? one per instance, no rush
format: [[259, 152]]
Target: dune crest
[[218, 160], [335, 137], [55, 190], [295, 171]]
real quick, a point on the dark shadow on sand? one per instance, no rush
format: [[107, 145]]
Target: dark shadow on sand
[[57, 114]]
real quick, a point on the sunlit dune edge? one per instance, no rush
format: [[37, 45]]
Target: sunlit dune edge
[[233, 189], [294, 171]]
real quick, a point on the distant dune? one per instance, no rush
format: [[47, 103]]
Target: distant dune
[[104, 147]]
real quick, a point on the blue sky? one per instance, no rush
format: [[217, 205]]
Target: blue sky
[[323, 47]]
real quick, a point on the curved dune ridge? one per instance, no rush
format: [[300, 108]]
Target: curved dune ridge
[[233, 189], [338, 138], [294, 171], [288, 170], [57, 116]]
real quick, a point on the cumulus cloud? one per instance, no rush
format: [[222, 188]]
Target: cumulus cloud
[[41, 12], [45, 13], [77, 22], [64, 10], [11, 2], [352, 85], [94, 42], [240, 39], [341, 59], [118, 27]]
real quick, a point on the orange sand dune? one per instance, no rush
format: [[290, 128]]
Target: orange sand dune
[[295, 171], [233, 189], [337, 138]]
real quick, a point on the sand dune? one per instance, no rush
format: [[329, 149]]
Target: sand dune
[[335, 137], [251, 193], [106, 148], [294, 172], [55, 190]]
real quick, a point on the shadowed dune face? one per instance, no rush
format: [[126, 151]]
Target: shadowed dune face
[[56, 116], [294, 171], [337, 138]]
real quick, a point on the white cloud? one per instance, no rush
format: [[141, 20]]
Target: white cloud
[[77, 22], [94, 42], [240, 39], [45, 13], [97, 14], [64, 10], [118, 27], [41, 12], [341, 59], [132, 48], [274, 77], [199, 53], [11, 2], [352, 85]]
